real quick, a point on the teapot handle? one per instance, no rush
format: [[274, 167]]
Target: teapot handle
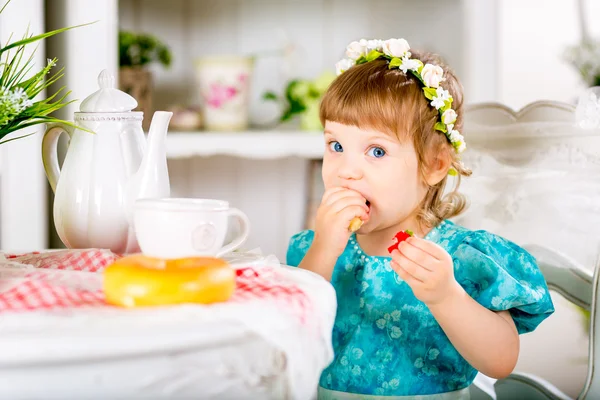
[[50, 152]]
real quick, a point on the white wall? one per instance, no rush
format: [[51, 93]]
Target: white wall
[[95, 44], [23, 215], [480, 53], [532, 37]]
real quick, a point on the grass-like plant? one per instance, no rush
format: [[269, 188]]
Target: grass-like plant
[[20, 86]]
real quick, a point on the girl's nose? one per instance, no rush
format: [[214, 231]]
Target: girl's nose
[[350, 169]]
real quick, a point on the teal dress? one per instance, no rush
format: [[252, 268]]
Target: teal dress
[[387, 343]]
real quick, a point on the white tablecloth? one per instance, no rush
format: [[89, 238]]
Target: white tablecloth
[[225, 351]]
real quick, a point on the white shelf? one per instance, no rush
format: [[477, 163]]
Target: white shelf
[[265, 145]]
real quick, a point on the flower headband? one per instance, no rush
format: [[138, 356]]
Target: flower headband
[[398, 54]]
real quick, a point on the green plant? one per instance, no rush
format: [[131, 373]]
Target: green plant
[[585, 58], [139, 49], [18, 89], [302, 97]]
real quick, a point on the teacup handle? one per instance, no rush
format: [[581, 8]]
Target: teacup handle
[[242, 237]]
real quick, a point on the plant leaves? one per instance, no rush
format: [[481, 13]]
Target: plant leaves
[[10, 80], [440, 126], [10, 67], [289, 90], [4, 6], [430, 93], [24, 70], [33, 39], [418, 76], [447, 105], [18, 137], [373, 55], [38, 120], [139, 49], [395, 62], [270, 96], [361, 60]]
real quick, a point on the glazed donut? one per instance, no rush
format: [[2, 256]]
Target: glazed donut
[[138, 280]]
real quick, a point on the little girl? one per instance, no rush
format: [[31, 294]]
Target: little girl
[[448, 302]]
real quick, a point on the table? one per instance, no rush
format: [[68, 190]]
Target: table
[[269, 346]]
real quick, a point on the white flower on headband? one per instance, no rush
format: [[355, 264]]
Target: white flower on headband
[[437, 102], [343, 65], [432, 75], [395, 47], [396, 51], [457, 140], [356, 49], [449, 117], [410, 64], [373, 44], [440, 98], [443, 94], [455, 136]]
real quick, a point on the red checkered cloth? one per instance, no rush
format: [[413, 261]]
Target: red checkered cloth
[[69, 279], [89, 260]]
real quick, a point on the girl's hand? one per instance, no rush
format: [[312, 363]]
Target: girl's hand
[[427, 268], [338, 207]]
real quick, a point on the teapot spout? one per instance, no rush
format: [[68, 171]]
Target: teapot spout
[[152, 176], [159, 127]]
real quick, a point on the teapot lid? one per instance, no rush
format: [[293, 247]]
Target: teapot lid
[[108, 98]]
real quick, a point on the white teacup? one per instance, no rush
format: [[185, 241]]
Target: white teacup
[[186, 227]]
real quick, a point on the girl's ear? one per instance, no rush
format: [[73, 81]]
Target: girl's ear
[[439, 167]]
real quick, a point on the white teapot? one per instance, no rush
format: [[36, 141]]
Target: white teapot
[[105, 170]]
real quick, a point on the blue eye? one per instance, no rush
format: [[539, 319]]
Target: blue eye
[[336, 146], [376, 152]]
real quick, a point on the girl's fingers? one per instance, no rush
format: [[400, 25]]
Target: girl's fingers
[[329, 192], [408, 278], [427, 246], [336, 196], [410, 267], [349, 201], [417, 255], [349, 212]]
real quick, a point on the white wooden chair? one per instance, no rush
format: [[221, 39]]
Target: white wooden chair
[[527, 164], [580, 287]]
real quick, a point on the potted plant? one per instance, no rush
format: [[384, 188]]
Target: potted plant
[[136, 52], [20, 86], [585, 57], [302, 97]]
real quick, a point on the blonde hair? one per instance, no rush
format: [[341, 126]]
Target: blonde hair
[[372, 96]]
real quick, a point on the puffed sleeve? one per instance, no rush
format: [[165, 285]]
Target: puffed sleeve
[[298, 246], [500, 275]]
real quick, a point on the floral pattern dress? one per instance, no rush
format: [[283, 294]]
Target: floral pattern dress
[[386, 341]]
